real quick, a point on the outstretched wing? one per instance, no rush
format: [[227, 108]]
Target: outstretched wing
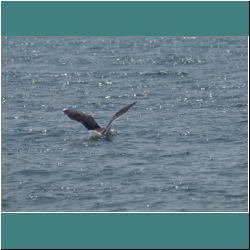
[[117, 115], [87, 120]]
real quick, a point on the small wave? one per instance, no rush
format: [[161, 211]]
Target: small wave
[[165, 73], [175, 154], [29, 172]]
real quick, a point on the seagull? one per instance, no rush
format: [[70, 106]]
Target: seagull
[[89, 122]]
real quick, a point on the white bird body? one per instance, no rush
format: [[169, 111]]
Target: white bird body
[[93, 134]]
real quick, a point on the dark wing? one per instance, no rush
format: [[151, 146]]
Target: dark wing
[[87, 120], [117, 115]]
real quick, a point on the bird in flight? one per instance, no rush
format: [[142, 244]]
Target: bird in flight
[[89, 122]]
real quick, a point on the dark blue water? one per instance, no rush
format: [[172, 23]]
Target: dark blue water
[[182, 147]]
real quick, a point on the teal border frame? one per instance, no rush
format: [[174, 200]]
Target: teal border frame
[[121, 18], [125, 230]]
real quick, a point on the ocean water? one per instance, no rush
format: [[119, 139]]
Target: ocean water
[[182, 148]]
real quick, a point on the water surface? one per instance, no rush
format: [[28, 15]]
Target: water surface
[[182, 147]]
